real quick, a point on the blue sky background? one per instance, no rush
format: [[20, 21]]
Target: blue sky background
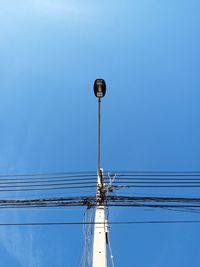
[[50, 54]]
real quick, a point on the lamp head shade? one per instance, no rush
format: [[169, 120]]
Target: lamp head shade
[[99, 88]]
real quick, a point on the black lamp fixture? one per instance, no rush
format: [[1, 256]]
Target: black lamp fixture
[[99, 88]]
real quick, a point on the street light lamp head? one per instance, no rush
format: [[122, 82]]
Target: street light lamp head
[[99, 88]]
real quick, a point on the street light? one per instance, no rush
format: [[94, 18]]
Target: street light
[[99, 88], [99, 91]]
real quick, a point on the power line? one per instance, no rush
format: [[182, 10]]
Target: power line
[[44, 180], [47, 185], [133, 179], [156, 186], [82, 173], [93, 223], [186, 204], [153, 198], [125, 184], [50, 175], [150, 175], [49, 188], [158, 182]]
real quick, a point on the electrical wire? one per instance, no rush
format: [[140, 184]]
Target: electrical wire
[[51, 184], [158, 178], [79, 181], [152, 173], [156, 186], [81, 173], [45, 180], [46, 188], [87, 230], [160, 183], [93, 223], [186, 204]]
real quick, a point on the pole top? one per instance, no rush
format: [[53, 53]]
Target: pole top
[[99, 88]]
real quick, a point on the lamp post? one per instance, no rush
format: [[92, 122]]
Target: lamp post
[[100, 227]]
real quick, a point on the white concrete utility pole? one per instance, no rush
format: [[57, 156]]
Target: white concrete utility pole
[[100, 226], [100, 231]]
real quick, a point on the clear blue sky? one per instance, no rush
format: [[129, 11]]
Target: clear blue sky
[[51, 51]]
